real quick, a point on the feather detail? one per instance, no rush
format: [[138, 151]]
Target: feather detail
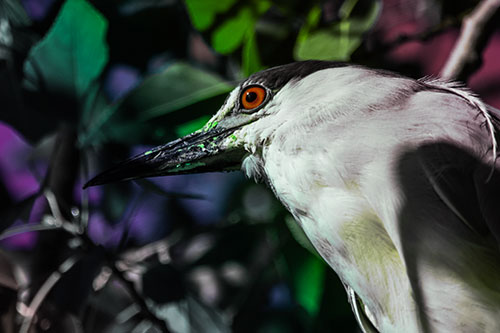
[[460, 90]]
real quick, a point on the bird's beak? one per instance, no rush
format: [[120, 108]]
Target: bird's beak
[[203, 151]]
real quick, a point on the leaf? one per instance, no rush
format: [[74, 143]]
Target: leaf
[[178, 86], [73, 52], [203, 12], [308, 282], [152, 112], [229, 35], [14, 12], [250, 58], [192, 126], [235, 29], [307, 273], [341, 39]]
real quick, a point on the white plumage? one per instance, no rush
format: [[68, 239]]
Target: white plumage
[[395, 182], [333, 147]]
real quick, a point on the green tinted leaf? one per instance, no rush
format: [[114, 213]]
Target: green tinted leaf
[[324, 45], [152, 112], [96, 110], [178, 86], [347, 7], [338, 41], [202, 12], [229, 35], [312, 21], [73, 53], [250, 57], [307, 273], [262, 6], [192, 126], [308, 281]]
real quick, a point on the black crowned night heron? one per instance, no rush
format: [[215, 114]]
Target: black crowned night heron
[[393, 180]]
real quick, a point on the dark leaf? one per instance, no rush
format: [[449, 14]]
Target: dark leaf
[[152, 113], [59, 70], [72, 54]]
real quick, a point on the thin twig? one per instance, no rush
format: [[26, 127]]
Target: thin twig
[[472, 30], [44, 290], [139, 299], [26, 228], [129, 285]]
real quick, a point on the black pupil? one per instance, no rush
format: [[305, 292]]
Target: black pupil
[[250, 96]]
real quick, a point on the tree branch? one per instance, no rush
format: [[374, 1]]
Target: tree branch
[[468, 48]]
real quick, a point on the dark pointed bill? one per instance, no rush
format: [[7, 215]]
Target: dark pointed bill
[[198, 152]]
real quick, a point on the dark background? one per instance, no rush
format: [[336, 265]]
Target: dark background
[[87, 83]]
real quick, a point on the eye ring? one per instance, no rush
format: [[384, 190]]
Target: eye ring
[[253, 97]]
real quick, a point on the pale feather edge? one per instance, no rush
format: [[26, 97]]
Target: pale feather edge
[[462, 91]]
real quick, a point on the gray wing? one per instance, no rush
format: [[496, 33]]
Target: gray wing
[[466, 184]]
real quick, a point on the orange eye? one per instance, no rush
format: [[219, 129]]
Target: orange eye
[[253, 97]]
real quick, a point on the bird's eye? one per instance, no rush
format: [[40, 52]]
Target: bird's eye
[[253, 97]]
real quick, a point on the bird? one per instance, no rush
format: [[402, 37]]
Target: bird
[[394, 180]]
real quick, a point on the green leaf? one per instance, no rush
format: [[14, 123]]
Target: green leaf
[[178, 86], [192, 126], [308, 281], [338, 41], [229, 35], [312, 21], [250, 57], [96, 110], [72, 54], [307, 273], [231, 31], [152, 112], [203, 12]]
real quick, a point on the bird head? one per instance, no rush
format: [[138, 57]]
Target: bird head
[[247, 119]]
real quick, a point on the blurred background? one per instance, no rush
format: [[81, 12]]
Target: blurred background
[[87, 83]]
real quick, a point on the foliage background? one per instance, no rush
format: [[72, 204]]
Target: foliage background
[[87, 83]]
